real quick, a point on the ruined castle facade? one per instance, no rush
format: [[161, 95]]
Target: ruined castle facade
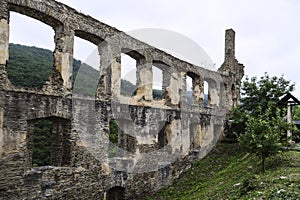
[[158, 139]]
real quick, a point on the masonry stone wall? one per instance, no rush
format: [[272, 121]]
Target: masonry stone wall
[[158, 139]]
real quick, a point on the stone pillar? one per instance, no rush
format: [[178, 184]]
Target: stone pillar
[[115, 68], [63, 54], [174, 88], [4, 41], [109, 86], [198, 90], [166, 75], [144, 80], [230, 43], [103, 91]]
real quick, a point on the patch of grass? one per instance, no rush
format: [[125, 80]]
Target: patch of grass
[[230, 173]]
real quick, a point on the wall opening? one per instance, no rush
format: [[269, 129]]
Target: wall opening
[[163, 135], [165, 76], [206, 94], [189, 89], [49, 142], [30, 51], [128, 75], [120, 142], [157, 82], [86, 65], [42, 143], [213, 93], [113, 138], [116, 193]]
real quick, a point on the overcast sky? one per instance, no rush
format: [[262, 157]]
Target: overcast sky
[[267, 32]]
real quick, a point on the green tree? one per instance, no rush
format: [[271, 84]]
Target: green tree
[[258, 123], [296, 113], [263, 94], [263, 134]]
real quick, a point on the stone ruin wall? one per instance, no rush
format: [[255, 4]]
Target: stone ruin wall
[[81, 166]]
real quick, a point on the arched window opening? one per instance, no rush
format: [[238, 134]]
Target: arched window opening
[[86, 65], [157, 83], [128, 75], [30, 51]]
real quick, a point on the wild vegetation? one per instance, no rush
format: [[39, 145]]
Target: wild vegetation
[[258, 122], [229, 172]]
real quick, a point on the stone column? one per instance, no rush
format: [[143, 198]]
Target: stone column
[[4, 41], [198, 91], [166, 75], [230, 43], [115, 67], [63, 54], [103, 91], [110, 71], [144, 80], [173, 88]]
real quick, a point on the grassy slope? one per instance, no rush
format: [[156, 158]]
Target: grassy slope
[[229, 173]]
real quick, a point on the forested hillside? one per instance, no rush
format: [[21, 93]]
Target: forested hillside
[[32, 66], [29, 66]]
